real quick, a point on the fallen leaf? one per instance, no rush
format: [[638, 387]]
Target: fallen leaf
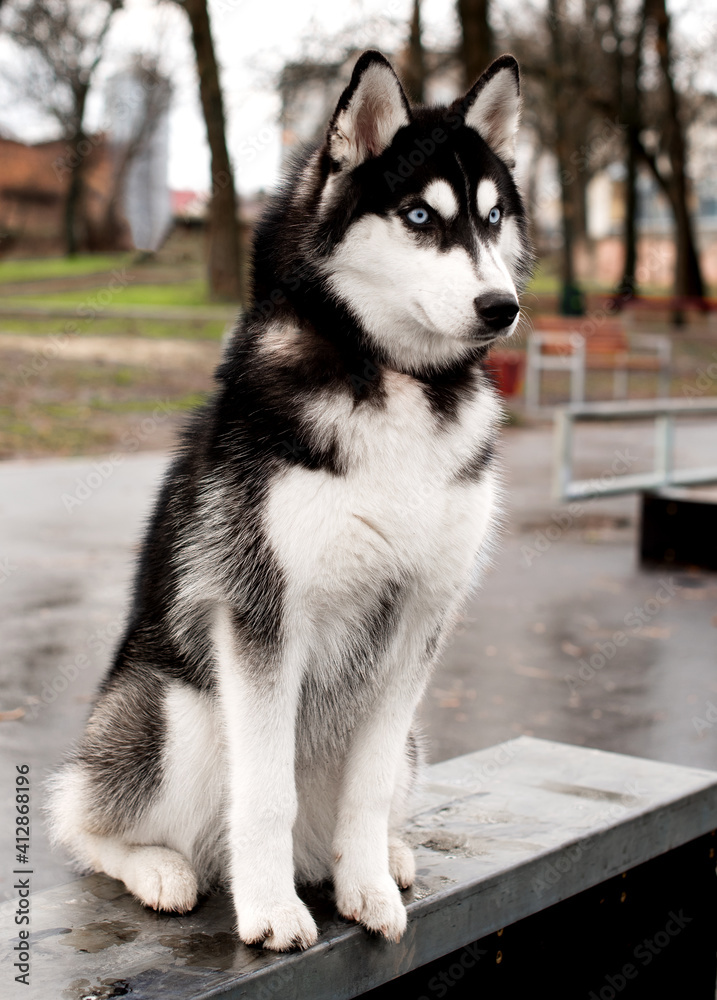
[[523, 671], [15, 713], [655, 632]]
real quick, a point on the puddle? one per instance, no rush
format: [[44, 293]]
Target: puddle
[[585, 792], [209, 951], [106, 989], [92, 938]]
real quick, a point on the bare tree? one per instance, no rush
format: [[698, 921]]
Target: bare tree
[[64, 40], [628, 70], [225, 272], [597, 64], [667, 161], [564, 146], [414, 73], [142, 112], [477, 46], [565, 71]]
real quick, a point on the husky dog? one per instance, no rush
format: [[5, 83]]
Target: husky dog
[[318, 532]]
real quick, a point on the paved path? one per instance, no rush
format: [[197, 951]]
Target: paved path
[[162, 352], [564, 593]]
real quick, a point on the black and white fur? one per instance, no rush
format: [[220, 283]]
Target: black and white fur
[[318, 532]]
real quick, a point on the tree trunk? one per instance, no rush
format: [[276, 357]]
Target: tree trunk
[[75, 231], [627, 72], [73, 202], [224, 261], [688, 274], [571, 299], [476, 38], [628, 282], [415, 74]]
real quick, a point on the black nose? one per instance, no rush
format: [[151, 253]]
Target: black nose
[[497, 311]]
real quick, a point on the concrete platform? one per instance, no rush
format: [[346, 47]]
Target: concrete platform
[[499, 835]]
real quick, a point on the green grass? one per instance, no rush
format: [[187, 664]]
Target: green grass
[[186, 329], [543, 283], [546, 281], [187, 402], [73, 411], [83, 408], [60, 267], [25, 437], [172, 296]]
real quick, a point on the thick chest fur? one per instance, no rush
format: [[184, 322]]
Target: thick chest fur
[[394, 537], [402, 501], [347, 573]]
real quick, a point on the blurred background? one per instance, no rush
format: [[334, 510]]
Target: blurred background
[[139, 142]]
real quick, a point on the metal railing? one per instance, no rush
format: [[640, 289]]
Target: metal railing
[[663, 412], [568, 352]]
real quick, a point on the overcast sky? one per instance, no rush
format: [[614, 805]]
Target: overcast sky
[[253, 39]]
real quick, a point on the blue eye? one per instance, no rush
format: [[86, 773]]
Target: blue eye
[[418, 216], [494, 216]]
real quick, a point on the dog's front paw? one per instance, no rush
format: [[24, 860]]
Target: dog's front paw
[[281, 927], [377, 905]]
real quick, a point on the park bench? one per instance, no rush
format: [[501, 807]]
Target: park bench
[[579, 344], [666, 304], [542, 869]]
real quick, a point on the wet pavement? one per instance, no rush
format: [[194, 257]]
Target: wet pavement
[[568, 638]]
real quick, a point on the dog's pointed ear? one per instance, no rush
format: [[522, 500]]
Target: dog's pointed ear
[[492, 107], [369, 113]]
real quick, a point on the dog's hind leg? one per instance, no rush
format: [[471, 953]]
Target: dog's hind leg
[[159, 877]]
